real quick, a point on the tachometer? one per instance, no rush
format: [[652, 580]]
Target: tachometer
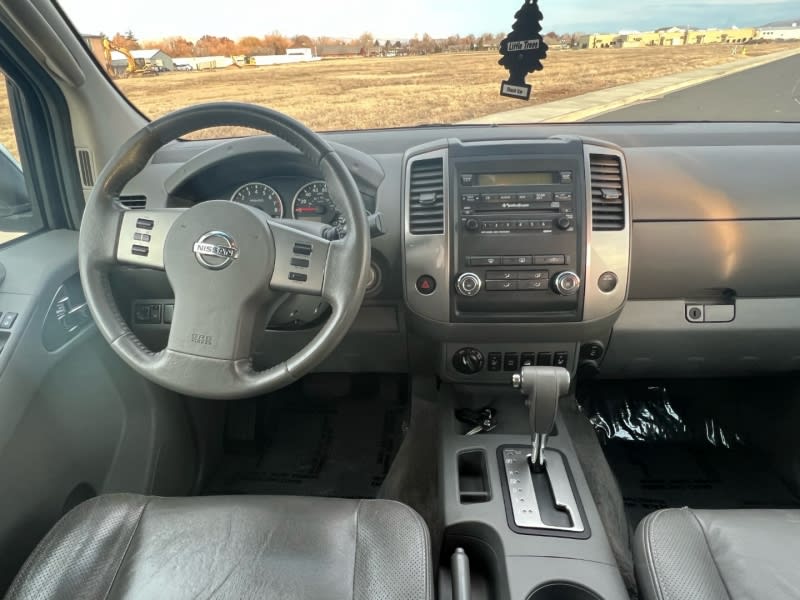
[[260, 196], [312, 203]]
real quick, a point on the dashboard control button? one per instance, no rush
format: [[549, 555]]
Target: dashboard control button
[[511, 361], [566, 176], [550, 259], [302, 249], [544, 359], [517, 260], [608, 282], [562, 196], [468, 361], [567, 283], [534, 285], [469, 284], [144, 223], [168, 310], [592, 351], [561, 359], [495, 362], [298, 276], [534, 275], [140, 250], [426, 285], [484, 261], [503, 275], [7, 322], [543, 196], [502, 286], [528, 359]]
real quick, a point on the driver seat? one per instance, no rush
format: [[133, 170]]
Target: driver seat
[[281, 547]]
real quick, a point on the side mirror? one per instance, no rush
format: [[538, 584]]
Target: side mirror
[[13, 191]]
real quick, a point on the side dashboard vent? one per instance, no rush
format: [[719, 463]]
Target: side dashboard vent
[[133, 202], [85, 167], [426, 198], [608, 193]]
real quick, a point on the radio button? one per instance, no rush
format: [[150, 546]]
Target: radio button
[[472, 225], [563, 196], [503, 275], [467, 179], [524, 197], [566, 176], [550, 259], [468, 285], [484, 261], [535, 285], [518, 260], [502, 286], [543, 196]]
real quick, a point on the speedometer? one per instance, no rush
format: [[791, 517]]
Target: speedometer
[[313, 203], [260, 196]]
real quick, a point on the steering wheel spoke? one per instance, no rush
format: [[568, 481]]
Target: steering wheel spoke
[[301, 259], [142, 235]]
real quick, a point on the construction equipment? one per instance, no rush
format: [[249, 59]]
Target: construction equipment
[[132, 70]]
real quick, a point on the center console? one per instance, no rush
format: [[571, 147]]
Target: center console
[[516, 253]]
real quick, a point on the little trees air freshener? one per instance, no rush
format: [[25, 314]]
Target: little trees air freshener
[[523, 50]]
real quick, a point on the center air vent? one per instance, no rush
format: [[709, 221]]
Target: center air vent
[[133, 202], [426, 198], [608, 193]]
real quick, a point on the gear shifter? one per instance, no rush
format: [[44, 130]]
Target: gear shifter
[[542, 388]]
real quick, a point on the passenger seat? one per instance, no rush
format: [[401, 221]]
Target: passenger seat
[[685, 554]]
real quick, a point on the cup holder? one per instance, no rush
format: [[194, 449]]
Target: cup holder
[[563, 591]]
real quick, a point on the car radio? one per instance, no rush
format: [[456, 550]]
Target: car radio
[[518, 245]]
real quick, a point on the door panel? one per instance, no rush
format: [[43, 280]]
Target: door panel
[[74, 420]]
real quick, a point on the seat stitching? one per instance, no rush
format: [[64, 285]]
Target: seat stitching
[[651, 562], [127, 547], [710, 553], [355, 550]]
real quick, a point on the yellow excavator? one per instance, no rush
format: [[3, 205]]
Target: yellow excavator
[[132, 70]]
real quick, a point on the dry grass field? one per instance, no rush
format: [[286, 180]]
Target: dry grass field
[[360, 93]]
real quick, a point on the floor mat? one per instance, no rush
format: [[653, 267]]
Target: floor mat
[[324, 436], [654, 476]]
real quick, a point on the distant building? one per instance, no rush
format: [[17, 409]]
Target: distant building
[[668, 36], [95, 43], [791, 31], [339, 50]]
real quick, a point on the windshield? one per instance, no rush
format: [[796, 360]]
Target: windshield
[[364, 64]]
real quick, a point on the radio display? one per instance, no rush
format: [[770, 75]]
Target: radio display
[[502, 179]]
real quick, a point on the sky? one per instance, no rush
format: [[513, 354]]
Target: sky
[[393, 19]]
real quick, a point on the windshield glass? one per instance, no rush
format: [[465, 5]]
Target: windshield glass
[[362, 64]]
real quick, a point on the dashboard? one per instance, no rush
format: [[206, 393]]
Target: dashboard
[[616, 251]]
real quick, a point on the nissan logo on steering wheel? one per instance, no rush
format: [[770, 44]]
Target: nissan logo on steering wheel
[[215, 250]]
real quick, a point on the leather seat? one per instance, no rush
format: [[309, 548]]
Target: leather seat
[[718, 554], [276, 547]]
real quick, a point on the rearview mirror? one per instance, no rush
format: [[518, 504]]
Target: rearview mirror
[[13, 191]]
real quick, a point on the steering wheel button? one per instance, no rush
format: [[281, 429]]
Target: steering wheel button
[[139, 250], [7, 321], [303, 249], [298, 277], [144, 223], [300, 262]]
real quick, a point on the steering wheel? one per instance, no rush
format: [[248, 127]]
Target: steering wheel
[[227, 263]]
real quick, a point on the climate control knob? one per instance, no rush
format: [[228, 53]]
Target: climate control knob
[[469, 285], [566, 283], [468, 361]]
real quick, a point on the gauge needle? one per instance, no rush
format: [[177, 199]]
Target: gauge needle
[[309, 209]]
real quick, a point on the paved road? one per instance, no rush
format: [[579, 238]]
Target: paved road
[[767, 93]]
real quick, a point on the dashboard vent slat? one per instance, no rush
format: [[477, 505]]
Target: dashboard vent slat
[[608, 193], [426, 197], [138, 202]]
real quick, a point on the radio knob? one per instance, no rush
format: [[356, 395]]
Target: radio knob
[[472, 225], [469, 285], [564, 223], [567, 283]]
